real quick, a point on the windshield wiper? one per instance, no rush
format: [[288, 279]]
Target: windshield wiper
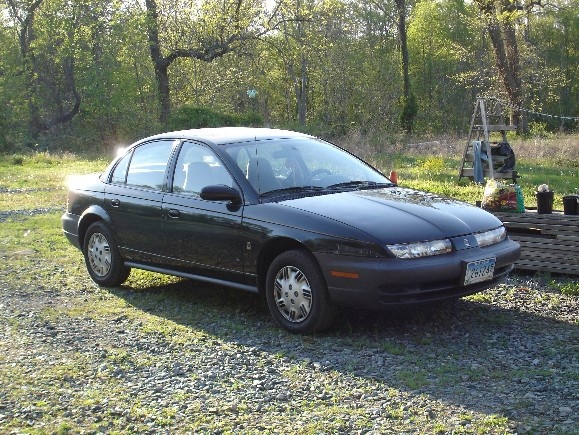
[[294, 189], [359, 185]]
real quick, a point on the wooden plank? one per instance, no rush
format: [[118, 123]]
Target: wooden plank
[[525, 225], [547, 267], [540, 239], [568, 238], [496, 127], [559, 257], [549, 230], [542, 221], [550, 269], [561, 231], [531, 250], [549, 242], [531, 215], [531, 238], [540, 264], [544, 247], [546, 219]]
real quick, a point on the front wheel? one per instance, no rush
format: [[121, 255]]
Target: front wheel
[[297, 294], [101, 255]]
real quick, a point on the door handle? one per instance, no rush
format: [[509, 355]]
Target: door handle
[[174, 213], [115, 202]]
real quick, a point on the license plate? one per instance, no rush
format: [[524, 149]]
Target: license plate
[[478, 271]]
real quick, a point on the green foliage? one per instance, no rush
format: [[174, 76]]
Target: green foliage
[[433, 166], [187, 117], [341, 55], [538, 129], [566, 287], [446, 56], [18, 160]]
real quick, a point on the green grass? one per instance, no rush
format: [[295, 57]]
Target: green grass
[[567, 287], [44, 176], [28, 181], [440, 175]]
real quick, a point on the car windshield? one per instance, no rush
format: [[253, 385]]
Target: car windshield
[[302, 164]]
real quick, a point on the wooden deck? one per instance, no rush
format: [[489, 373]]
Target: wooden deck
[[549, 242]]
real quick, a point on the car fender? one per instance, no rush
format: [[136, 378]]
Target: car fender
[[92, 214], [261, 250]]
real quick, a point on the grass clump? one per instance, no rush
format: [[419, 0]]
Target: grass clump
[[567, 287]]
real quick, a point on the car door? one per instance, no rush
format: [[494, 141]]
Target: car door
[[202, 237], [133, 199]]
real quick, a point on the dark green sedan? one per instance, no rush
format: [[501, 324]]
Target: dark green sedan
[[284, 214]]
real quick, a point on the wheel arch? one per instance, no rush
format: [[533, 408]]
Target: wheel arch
[[269, 252], [91, 215]]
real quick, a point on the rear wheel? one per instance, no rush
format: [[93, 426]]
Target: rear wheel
[[297, 294], [101, 255]]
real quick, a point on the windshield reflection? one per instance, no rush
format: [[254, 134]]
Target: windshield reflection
[[307, 164]]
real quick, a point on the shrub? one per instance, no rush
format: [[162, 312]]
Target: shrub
[[17, 160], [433, 166], [186, 117]]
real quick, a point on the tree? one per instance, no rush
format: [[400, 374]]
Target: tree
[[501, 21], [397, 15], [294, 47], [551, 73], [36, 67], [409, 105], [227, 29], [448, 63], [23, 14]]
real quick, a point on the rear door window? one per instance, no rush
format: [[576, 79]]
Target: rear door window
[[148, 165]]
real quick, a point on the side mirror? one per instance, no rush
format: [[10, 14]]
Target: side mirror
[[220, 192]]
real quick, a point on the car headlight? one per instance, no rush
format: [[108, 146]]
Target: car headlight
[[491, 237], [421, 249]]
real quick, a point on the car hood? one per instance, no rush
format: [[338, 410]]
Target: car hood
[[397, 215]]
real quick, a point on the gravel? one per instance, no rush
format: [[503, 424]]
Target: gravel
[[20, 214], [180, 357]]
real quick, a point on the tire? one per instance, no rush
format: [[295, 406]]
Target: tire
[[297, 294], [101, 256]]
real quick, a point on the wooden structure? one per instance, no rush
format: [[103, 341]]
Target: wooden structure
[[487, 120], [549, 242]]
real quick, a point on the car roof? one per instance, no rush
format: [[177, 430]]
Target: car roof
[[225, 135]]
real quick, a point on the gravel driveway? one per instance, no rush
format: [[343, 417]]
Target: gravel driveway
[[170, 356]]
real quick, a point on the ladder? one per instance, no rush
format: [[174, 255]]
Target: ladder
[[487, 118]]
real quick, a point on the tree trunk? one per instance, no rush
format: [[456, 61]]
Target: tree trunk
[[501, 31], [159, 62], [302, 92], [409, 107], [70, 84], [401, 8], [26, 37]]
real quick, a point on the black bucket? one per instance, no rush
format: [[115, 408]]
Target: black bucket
[[571, 204], [545, 202]]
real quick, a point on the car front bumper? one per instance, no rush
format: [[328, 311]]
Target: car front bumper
[[382, 282]]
